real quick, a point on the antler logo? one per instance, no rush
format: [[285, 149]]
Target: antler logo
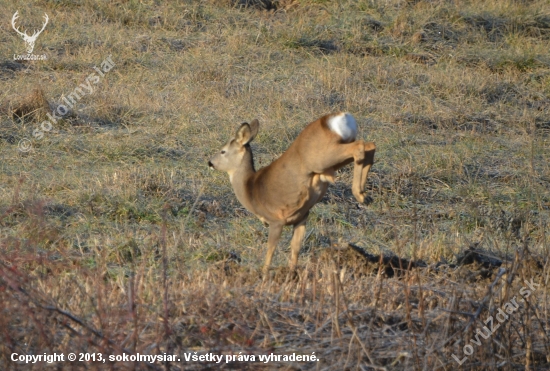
[[29, 40]]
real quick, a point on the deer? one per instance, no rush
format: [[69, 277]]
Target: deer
[[29, 40], [282, 193]]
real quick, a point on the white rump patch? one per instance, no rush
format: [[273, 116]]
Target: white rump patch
[[344, 125]]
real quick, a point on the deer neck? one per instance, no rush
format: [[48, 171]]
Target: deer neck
[[241, 180]]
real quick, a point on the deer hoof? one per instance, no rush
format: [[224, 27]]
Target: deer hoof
[[360, 197]]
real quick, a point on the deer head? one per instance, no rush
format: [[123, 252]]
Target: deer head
[[230, 157], [29, 40]]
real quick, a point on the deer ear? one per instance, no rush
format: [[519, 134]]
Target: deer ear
[[254, 126], [246, 132]]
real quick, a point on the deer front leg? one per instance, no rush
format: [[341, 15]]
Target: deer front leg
[[275, 230], [296, 242]]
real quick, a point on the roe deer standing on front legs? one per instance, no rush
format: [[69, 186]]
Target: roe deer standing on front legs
[[283, 192]]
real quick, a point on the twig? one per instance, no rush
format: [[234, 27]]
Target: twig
[[52, 308], [354, 330], [474, 316]]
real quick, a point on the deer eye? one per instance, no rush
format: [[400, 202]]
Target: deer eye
[[223, 152]]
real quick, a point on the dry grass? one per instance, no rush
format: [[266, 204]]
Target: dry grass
[[115, 238]]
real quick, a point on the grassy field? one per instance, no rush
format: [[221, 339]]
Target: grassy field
[[117, 239]]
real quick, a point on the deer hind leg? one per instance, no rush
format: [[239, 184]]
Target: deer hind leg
[[275, 230], [370, 148], [362, 156], [358, 155], [358, 163], [296, 242]]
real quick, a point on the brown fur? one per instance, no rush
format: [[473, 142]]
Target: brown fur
[[283, 192]]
